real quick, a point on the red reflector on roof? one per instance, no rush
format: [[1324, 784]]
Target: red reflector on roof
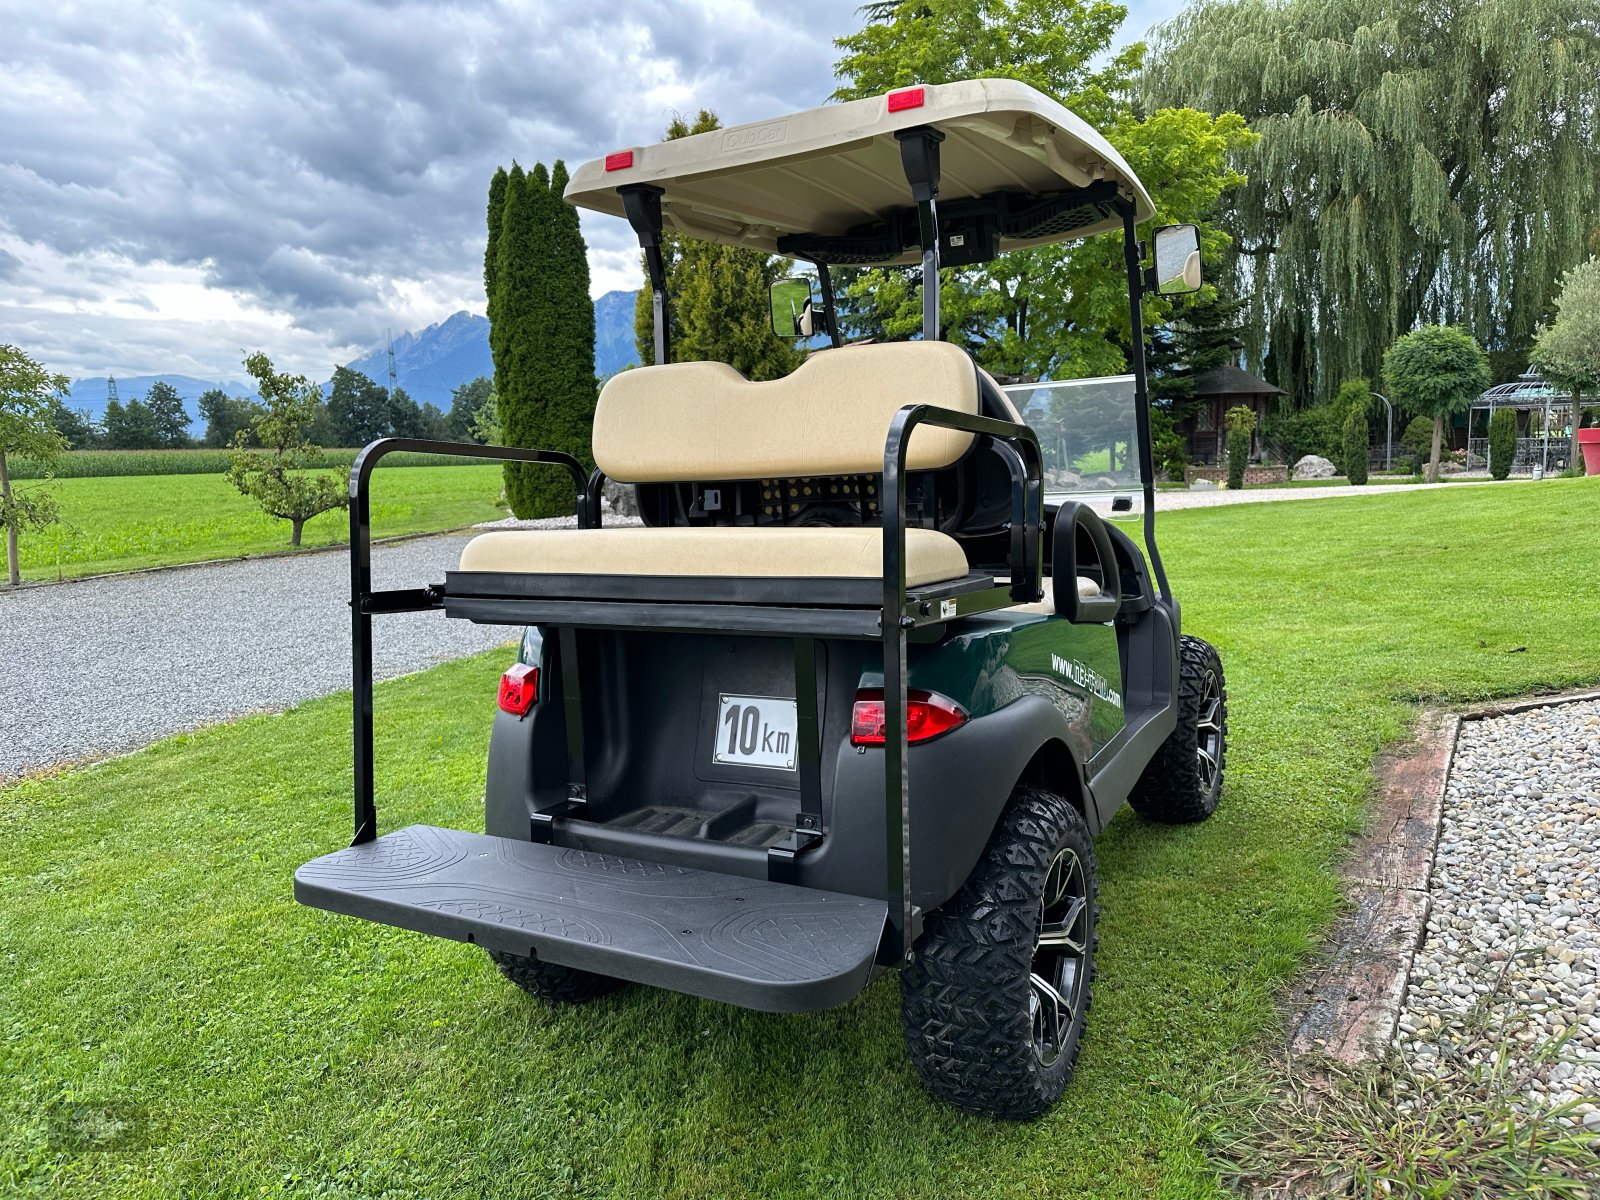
[[519, 689], [910, 98], [619, 161]]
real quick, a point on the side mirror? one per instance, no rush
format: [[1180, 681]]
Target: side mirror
[[796, 307], [1177, 260]]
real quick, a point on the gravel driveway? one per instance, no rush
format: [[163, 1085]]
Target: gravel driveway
[[109, 665], [1514, 931], [1171, 501]]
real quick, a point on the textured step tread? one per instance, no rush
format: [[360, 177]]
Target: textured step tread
[[763, 945]]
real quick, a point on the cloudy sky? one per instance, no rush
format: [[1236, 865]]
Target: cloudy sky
[[183, 180]]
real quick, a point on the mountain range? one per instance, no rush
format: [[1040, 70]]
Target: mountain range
[[429, 362]]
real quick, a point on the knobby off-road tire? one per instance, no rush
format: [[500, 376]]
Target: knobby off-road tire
[[981, 1027], [551, 982], [1183, 782]]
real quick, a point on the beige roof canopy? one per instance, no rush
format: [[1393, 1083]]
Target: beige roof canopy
[[834, 169]]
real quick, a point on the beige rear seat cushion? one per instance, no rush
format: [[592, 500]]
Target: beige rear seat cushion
[[705, 421], [768, 553]]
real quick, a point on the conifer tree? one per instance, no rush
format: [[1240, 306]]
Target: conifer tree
[[520, 255], [565, 352], [499, 350], [542, 336], [497, 205], [717, 298]]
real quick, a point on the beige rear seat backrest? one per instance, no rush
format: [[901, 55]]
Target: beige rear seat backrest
[[705, 421]]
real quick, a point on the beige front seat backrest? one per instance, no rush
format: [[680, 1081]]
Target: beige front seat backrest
[[705, 421]]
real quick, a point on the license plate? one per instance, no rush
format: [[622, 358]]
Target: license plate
[[755, 731]]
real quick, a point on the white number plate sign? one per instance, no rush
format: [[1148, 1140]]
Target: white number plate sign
[[755, 731]]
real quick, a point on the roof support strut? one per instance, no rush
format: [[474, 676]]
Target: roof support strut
[[642, 203], [919, 156], [1133, 254]]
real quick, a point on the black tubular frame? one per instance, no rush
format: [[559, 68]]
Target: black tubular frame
[[1021, 449], [364, 602], [899, 612]]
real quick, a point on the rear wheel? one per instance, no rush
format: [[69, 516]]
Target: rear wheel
[[551, 982], [994, 1004], [1183, 782]]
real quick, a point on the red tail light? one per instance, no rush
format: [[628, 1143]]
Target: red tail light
[[519, 689], [928, 714]]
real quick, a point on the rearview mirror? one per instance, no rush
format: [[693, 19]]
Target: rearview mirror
[[1177, 260], [796, 307]]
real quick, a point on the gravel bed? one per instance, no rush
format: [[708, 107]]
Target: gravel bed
[[104, 666], [108, 665], [1510, 961]]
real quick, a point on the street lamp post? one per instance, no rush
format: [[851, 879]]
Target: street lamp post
[[1388, 445]]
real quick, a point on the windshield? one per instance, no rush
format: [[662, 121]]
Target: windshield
[[1088, 433]]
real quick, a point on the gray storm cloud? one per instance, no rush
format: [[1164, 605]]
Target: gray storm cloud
[[181, 179], [324, 163]]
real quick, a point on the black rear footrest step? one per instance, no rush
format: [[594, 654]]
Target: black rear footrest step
[[762, 945]]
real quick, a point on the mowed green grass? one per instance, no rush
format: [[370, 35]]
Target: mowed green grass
[[119, 523], [173, 1025]]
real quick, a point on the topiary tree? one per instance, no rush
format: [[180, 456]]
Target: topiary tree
[[28, 394], [1355, 444], [1241, 424], [1502, 441], [275, 477], [1355, 402], [1437, 370]]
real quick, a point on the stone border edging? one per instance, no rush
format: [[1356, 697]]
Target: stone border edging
[[1349, 1008]]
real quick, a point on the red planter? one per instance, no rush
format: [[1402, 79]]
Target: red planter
[[1589, 443]]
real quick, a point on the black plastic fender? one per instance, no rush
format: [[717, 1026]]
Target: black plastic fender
[[958, 785]]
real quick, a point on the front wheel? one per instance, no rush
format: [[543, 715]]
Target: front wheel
[[995, 1002], [1183, 782]]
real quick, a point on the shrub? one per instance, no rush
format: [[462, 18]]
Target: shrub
[[1241, 422], [1502, 442], [1417, 440]]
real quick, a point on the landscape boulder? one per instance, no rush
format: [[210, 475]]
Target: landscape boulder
[[1314, 466], [620, 499], [1203, 485]]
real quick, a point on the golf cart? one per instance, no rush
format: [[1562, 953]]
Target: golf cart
[[856, 697]]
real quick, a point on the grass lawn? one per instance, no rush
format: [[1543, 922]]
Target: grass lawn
[[174, 1025], [118, 523]]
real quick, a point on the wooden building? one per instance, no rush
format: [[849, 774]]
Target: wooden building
[[1215, 392]]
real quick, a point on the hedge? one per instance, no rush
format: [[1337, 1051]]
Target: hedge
[[83, 464]]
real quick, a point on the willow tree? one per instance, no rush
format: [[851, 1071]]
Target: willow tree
[[1418, 162]]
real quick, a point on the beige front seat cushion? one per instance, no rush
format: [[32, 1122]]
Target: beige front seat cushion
[[720, 552], [704, 421], [1088, 589]]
